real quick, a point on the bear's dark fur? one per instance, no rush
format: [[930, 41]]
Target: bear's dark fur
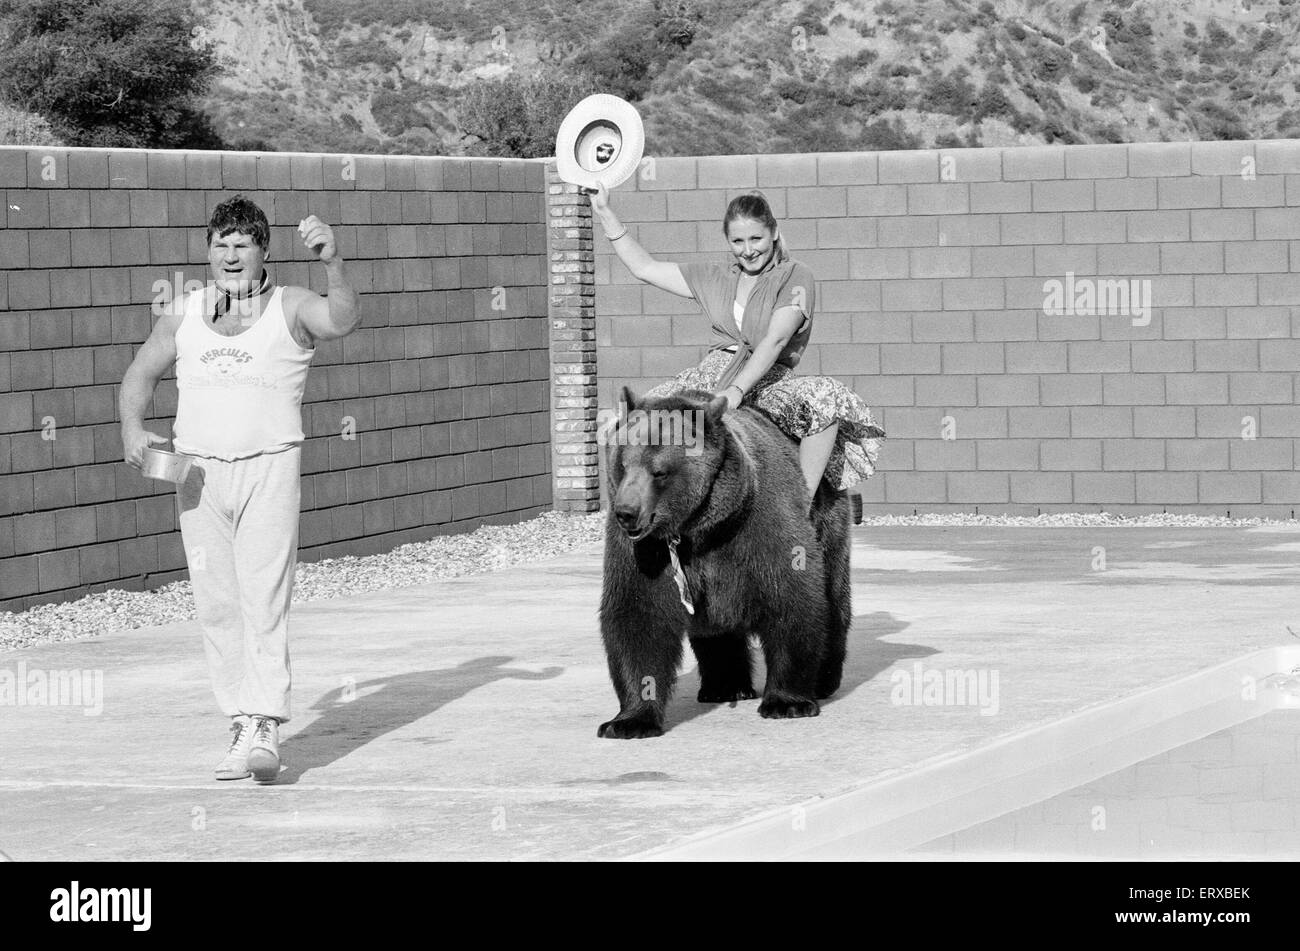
[[754, 563]]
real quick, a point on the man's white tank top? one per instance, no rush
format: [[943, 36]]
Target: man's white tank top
[[238, 396]]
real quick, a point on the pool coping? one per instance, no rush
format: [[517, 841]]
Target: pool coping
[[956, 790]]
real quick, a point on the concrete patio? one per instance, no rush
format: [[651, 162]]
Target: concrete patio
[[457, 720]]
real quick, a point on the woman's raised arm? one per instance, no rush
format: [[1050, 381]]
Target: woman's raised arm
[[664, 275]]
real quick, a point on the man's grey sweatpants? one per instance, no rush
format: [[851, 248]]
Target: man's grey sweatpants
[[239, 524]]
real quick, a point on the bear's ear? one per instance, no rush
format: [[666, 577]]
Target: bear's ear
[[716, 408], [628, 398]]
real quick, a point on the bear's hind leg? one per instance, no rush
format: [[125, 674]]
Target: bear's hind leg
[[725, 673], [792, 659], [831, 516]]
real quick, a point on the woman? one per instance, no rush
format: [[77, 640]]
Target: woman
[[761, 306]]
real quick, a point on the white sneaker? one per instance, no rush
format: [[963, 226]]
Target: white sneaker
[[235, 765], [264, 753]]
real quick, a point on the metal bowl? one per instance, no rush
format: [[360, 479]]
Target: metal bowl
[[167, 466]]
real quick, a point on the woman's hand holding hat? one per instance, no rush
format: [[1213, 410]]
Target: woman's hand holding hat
[[599, 193], [599, 197]]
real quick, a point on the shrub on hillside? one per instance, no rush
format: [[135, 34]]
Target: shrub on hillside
[[1052, 63], [1216, 121], [791, 88], [876, 96], [518, 116], [813, 128], [812, 17], [1110, 134], [396, 111], [1267, 40], [1216, 37], [449, 17], [19, 127], [951, 94], [992, 103], [886, 136], [1053, 129], [625, 60], [621, 63], [859, 60], [727, 90], [250, 145], [109, 73], [370, 52], [1288, 124]]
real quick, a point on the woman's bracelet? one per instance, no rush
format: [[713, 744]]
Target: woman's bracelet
[[737, 388], [615, 237]]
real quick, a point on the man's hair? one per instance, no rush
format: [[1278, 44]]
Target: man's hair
[[242, 215]]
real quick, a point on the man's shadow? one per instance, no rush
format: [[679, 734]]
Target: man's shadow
[[352, 718], [868, 657]]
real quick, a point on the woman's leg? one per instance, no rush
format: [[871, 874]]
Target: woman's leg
[[814, 451]]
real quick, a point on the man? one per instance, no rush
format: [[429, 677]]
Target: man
[[241, 347]]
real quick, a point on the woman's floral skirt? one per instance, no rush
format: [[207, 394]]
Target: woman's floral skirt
[[800, 406]]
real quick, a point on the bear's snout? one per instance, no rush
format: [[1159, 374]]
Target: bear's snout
[[632, 518], [629, 516], [633, 507]]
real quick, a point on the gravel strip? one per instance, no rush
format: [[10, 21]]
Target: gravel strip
[[490, 548]]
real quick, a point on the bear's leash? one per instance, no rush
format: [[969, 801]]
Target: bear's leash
[[680, 576]]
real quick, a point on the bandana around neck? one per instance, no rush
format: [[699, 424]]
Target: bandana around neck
[[222, 305]]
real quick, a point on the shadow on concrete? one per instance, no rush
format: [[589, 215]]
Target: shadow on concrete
[[868, 657], [345, 725]]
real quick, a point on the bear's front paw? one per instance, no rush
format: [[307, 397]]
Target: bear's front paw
[[711, 694], [784, 708], [633, 728]]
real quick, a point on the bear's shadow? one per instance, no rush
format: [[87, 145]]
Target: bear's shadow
[[349, 720], [868, 657]]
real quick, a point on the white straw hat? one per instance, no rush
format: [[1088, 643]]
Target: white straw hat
[[600, 140]]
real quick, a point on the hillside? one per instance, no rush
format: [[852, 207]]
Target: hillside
[[725, 76]]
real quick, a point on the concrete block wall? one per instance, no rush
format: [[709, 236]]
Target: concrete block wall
[[934, 271], [432, 417]]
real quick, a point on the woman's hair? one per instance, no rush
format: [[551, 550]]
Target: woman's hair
[[754, 206], [242, 215]]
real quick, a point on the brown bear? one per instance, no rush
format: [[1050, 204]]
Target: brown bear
[[709, 536]]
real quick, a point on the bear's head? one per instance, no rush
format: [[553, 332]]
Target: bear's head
[[663, 455]]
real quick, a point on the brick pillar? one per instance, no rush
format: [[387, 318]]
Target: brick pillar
[[571, 310]]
